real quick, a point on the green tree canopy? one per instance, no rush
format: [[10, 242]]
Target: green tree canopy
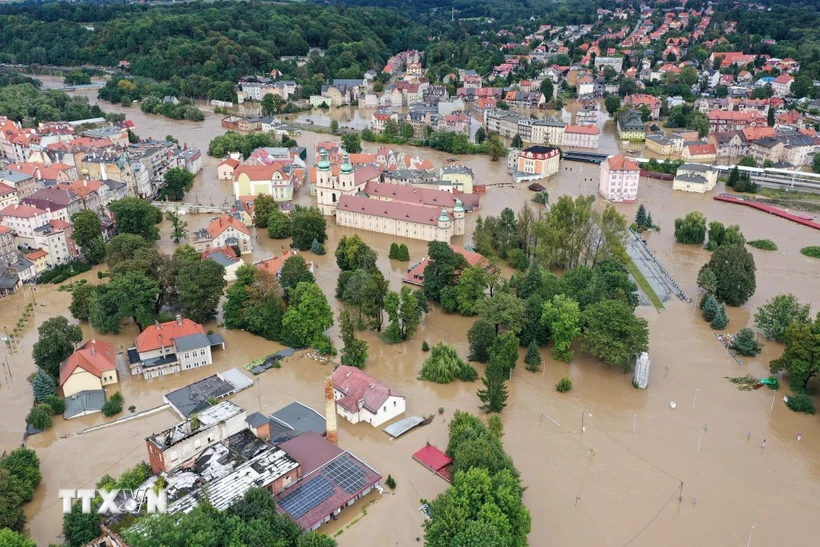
[[307, 224], [136, 216], [88, 236], [778, 314], [55, 342], [178, 182], [801, 359], [562, 317], [307, 317], [611, 332], [734, 268], [200, 285]]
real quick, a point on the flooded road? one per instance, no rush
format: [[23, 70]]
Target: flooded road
[[605, 486]]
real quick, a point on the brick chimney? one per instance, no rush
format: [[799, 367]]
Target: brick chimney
[[330, 410], [179, 320]]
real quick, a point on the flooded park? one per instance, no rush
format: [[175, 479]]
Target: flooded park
[[622, 468]]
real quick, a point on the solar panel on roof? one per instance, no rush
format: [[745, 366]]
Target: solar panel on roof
[[306, 497], [346, 474]]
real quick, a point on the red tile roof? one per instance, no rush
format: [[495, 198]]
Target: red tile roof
[[701, 149], [432, 458], [622, 163], [582, 129], [223, 223], [274, 264], [34, 255], [357, 386], [397, 210], [21, 211], [95, 356], [227, 251], [410, 194], [230, 161], [415, 276], [163, 335]]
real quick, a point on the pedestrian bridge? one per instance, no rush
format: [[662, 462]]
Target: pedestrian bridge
[[183, 208]]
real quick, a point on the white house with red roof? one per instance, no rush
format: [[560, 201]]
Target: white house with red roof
[[167, 348], [362, 398], [224, 231], [92, 367], [273, 265], [619, 179], [782, 85], [582, 136]]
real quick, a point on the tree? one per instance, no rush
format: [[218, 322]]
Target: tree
[[366, 291], [132, 294], [480, 338], [11, 502], [734, 268], [480, 135], [56, 340], [43, 385], [354, 352], [502, 310], [272, 104], [547, 89], [40, 416], [308, 316], [801, 358], [263, 206], [734, 177], [441, 270], [710, 308], [178, 182], [88, 236], [394, 251], [519, 260], [691, 229], [611, 332], [707, 280], [136, 216], [640, 216], [517, 142], [721, 319], [494, 395], [778, 314], [10, 538], [352, 143], [179, 228], [24, 465], [533, 357], [562, 317], [334, 127], [404, 312], [200, 286], [317, 248], [503, 354], [80, 528], [815, 164], [294, 271], [747, 161], [612, 103], [495, 148], [124, 247], [307, 224], [315, 539], [279, 225], [444, 365], [745, 343], [770, 117], [470, 289], [352, 253]]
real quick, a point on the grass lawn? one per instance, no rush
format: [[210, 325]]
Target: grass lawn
[[644, 284]]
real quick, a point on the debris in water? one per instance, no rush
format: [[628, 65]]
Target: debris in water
[[749, 382]]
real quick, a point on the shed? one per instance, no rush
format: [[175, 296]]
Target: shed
[[435, 460]]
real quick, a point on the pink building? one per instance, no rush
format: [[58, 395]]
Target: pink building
[[619, 179]]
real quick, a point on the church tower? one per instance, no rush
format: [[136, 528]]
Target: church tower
[[445, 229], [458, 213], [326, 193]]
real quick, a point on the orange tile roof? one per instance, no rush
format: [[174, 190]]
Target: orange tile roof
[[34, 255], [754, 133], [622, 163], [582, 129], [157, 336], [230, 161], [257, 172], [223, 223], [273, 264], [701, 149], [21, 211], [95, 356], [82, 187]]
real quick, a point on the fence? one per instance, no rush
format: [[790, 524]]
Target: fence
[[659, 264]]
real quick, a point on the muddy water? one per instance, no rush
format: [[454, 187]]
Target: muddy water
[[601, 486]]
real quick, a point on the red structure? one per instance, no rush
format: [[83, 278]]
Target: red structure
[[769, 209], [436, 461]]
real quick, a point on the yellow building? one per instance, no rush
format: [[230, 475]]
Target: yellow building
[[252, 180], [659, 144], [40, 259], [460, 176], [630, 126], [90, 368]]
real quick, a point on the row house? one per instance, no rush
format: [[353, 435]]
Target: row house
[[434, 94], [8, 248], [451, 106], [116, 165], [476, 93], [60, 201], [458, 122], [56, 239], [344, 91], [8, 196], [523, 99], [380, 117], [24, 220], [796, 149], [760, 106], [721, 120], [582, 136], [253, 88], [729, 144], [96, 195], [23, 184]]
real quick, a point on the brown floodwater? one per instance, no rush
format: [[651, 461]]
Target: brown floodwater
[[606, 486]]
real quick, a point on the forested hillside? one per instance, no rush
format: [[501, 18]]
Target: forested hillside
[[205, 43]]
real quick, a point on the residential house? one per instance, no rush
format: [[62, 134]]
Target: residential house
[[659, 144], [224, 231], [415, 274], [585, 85], [782, 85], [8, 196], [225, 257], [546, 131], [273, 180], [273, 265], [699, 152], [722, 121], [62, 202], [457, 122], [23, 184], [167, 348], [23, 220], [695, 177], [225, 170], [619, 179], [459, 176], [542, 161], [40, 259], [380, 117], [616, 63], [8, 248], [630, 126], [581, 136], [362, 398], [90, 368], [638, 100]]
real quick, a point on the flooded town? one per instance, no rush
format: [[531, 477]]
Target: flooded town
[[686, 458]]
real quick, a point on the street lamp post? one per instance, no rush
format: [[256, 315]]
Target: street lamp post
[[695, 399], [749, 543]]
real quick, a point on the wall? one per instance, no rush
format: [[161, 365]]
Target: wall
[[80, 380]]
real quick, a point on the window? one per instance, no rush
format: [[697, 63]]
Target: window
[[202, 352]]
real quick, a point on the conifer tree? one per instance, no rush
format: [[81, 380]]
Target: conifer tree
[[721, 319], [533, 357], [394, 251], [404, 253], [640, 217], [494, 395], [710, 308]]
